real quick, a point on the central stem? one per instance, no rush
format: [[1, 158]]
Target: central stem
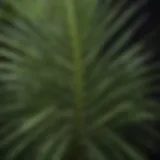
[[78, 65]]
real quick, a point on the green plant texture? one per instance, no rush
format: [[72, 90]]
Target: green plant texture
[[64, 99]]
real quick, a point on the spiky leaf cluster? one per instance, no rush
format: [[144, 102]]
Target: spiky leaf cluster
[[59, 94]]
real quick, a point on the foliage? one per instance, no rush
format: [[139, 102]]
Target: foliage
[[60, 95]]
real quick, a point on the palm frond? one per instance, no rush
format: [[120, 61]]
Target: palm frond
[[58, 90]]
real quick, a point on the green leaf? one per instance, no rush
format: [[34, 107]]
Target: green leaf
[[58, 88]]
